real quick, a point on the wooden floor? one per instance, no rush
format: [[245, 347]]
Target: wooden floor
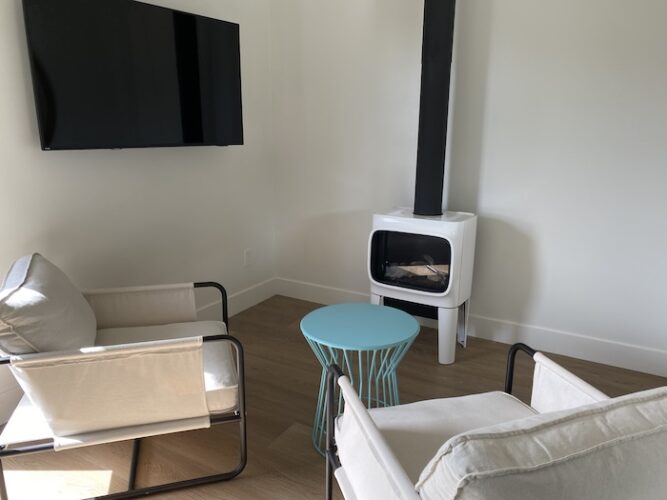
[[282, 383]]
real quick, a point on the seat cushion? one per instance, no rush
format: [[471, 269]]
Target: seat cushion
[[611, 450], [220, 375], [415, 432], [42, 311]]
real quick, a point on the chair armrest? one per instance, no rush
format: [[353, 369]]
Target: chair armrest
[[223, 298], [149, 305], [143, 306], [101, 388], [371, 468], [554, 387]]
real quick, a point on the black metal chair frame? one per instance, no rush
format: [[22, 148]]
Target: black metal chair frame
[[238, 416], [334, 373]]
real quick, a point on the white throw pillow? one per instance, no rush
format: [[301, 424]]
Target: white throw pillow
[[611, 450], [42, 311]]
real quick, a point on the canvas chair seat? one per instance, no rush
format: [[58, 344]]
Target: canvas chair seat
[[416, 431], [28, 427]]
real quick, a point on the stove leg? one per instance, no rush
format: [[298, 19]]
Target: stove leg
[[376, 299], [448, 320], [462, 328]]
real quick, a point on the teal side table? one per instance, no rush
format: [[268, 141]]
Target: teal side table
[[367, 341]]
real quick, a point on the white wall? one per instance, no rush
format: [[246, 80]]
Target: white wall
[[558, 144], [112, 218], [560, 147], [346, 79]]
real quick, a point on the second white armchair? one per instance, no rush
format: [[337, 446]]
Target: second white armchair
[[571, 442], [114, 365]]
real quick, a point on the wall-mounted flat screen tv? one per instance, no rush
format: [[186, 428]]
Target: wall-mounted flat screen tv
[[125, 74]]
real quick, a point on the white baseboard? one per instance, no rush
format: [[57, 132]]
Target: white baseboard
[[632, 357], [251, 296], [317, 293], [239, 301], [608, 352]]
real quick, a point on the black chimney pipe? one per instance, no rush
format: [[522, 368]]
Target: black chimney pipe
[[437, 55]]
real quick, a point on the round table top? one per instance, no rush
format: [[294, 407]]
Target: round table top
[[359, 327]]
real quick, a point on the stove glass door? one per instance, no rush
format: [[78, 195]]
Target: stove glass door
[[414, 261]]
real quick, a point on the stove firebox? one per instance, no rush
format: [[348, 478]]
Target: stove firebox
[[410, 260]]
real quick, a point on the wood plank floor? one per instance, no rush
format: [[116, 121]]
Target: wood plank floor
[[282, 383]]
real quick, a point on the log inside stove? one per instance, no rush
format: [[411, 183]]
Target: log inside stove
[[418, 271]]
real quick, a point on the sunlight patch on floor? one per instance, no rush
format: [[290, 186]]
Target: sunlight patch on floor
[[58, 484]]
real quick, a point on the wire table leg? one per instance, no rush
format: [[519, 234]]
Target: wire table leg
[[371, 372]]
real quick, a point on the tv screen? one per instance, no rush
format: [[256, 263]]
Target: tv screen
[[124, 74]]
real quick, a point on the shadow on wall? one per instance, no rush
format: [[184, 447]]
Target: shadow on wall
[[505, 279], [474, 24], [27, 95], [504, 274], [335, 249]]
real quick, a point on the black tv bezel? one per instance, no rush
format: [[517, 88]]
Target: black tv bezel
[[40, 119]]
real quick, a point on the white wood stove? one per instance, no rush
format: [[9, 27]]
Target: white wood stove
[[425, 261]]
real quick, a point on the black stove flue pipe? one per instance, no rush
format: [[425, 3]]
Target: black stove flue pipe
[[437, 55]]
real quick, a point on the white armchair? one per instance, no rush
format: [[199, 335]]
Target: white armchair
[[572, 442], [114, 365]]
